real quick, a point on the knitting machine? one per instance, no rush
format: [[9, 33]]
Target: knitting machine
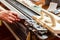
[[34, 20]]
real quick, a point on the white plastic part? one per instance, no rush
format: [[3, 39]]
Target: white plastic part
[[52, 23], [52, 7]]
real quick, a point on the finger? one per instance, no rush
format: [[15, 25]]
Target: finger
[[7, 20], [13, 13], [10, 14], [5, 11], [15, 16], [11, 18]]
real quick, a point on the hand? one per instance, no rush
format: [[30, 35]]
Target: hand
[[9, 16]]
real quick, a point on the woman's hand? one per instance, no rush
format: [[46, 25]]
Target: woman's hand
[[9, 16]]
